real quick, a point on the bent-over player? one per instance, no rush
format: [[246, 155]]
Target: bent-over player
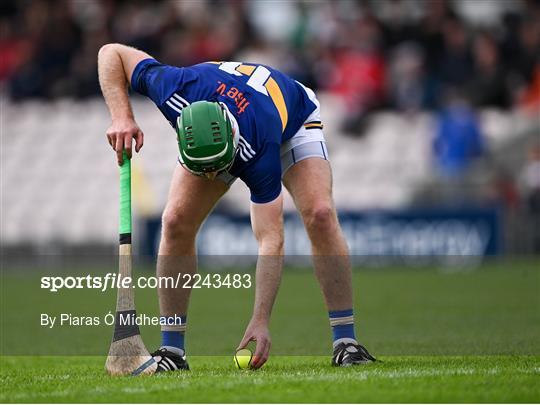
[[236, 120]]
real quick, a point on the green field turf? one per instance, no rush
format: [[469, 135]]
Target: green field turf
[[283, 379], [452, 335]]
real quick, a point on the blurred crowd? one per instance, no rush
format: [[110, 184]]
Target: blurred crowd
[[449, 56], [402, 54]]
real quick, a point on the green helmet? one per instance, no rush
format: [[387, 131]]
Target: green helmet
[[205, 138]]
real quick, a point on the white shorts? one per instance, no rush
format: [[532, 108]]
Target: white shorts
[[308, 142]]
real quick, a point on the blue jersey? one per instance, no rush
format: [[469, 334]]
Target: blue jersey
[[269, 107]]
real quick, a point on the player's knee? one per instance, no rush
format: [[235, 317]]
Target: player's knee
[[320, 217], [176, 226]]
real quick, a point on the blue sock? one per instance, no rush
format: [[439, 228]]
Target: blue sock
[[342, 323], [172, 338], [172, 333]]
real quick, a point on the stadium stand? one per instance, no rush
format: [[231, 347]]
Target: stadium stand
[[62, 177], [386, 72]]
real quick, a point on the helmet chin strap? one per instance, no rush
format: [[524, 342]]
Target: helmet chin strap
[[211, 175]]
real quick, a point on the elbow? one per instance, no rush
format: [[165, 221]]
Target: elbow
[[105, 48], [104, 51], [108, 48]]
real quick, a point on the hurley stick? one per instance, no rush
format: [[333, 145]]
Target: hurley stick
[[127, 354]]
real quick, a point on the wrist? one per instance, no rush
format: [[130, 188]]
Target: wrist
[[260, 319], [124, 116]]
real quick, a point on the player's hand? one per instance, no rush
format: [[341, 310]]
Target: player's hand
[[121, 134], [257, 331]]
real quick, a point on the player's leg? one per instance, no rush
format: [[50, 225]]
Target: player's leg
[[310, 183], [190, 200]]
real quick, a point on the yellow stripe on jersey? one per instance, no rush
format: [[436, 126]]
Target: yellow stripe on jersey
[[246, 69], [277, 97]]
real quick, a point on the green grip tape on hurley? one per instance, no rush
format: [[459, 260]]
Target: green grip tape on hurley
[[125, 196]]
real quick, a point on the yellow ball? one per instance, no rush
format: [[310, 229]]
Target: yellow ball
[[242, 359]]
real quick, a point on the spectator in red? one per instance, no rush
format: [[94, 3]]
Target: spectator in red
[[358, 73]]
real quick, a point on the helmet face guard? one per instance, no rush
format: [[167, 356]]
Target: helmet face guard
[[205, 138]]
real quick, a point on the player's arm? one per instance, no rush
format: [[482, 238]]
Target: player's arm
[[116, 63], [267, 223]]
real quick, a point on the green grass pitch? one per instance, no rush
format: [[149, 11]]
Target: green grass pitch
[[443, 336], [283, 379]]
